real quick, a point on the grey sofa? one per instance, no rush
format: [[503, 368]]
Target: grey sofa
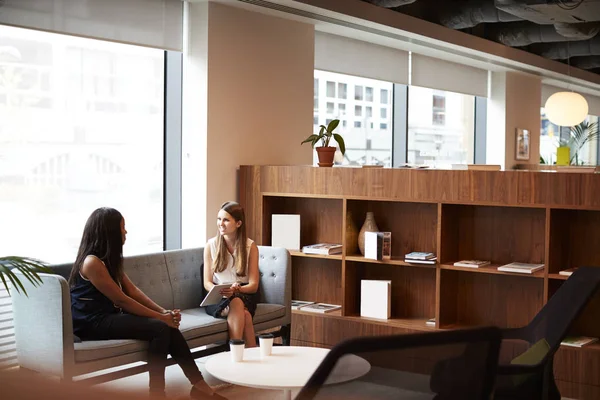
[[173, 279]]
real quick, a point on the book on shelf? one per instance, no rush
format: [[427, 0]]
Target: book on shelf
[[477, 167], [375, 299], [378, 245], [522, 268], [430, 322], [285, 231], [471, 263], [578, 341], [420, 255], [322, 248], [298, 304], [321, 308], [372, 166], [430, 261], [568, 271]]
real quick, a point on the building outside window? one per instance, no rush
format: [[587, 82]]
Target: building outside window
[[550, 137], [368, 135], [81, 126], [441, 127]]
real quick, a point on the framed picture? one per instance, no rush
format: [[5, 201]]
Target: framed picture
[[522, 144]]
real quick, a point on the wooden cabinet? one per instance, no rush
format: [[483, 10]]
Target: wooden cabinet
[[533, 217]]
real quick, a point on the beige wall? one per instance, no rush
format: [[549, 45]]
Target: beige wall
[[514, 102], [260, 96], [523, 103]]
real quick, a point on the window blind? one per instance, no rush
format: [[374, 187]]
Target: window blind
[[439, 74], [355, 57], [151, 23]]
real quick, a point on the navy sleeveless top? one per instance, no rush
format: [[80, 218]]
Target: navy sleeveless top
[[88, 305]]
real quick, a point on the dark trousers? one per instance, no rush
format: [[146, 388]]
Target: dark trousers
[[162, 340]]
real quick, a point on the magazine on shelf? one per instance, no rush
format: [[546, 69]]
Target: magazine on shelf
[[567, 272], [471, 263], [378, 245], [322, 248], [297, 304], [430, 261], [578, 341], [430, 322], [420, 255], [321, 307], [522, 268]]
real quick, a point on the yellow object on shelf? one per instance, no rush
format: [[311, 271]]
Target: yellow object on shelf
[[563, 155]]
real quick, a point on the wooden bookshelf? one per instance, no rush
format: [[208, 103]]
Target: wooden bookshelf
[[500, 216]]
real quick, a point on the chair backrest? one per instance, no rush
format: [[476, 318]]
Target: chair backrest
[[457, 364], [556, 317]]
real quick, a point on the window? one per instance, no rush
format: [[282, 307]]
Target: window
[[385, 96], [73, 111], [342, 90], [330, 89], [447, 137], [316, 96], [384, 113], [550, 139], [367, 140], [369, 94], [439, 110], [358, 92], [330, 108]]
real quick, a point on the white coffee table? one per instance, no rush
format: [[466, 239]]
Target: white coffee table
[[287, 368]]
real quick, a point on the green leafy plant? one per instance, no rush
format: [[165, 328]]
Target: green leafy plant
[[29, 267], [325, 134], [578, 137]]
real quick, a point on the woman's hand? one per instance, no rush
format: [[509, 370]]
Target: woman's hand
[[171, 318], [230, 291]]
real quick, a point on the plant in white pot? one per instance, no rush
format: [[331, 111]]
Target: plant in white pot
[[325, 152]]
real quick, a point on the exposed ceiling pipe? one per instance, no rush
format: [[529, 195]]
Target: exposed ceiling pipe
[[390, 3], [526, 33], [590, 62], [474, 12], [562, 51]]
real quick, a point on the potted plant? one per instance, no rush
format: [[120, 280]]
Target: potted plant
[[29, 267], [326, 152], [579, 135]]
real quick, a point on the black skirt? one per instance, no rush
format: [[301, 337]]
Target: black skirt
[[250, 300]]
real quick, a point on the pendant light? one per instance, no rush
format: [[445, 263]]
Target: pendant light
[[566, 108]]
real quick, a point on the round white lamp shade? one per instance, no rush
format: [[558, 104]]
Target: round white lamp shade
[[566, 108]]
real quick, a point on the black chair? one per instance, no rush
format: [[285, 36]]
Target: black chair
[[531, 376], [444, 365]]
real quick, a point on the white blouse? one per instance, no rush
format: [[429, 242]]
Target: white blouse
[[228, 275]]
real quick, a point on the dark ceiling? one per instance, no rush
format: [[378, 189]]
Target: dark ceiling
[[560, 30]]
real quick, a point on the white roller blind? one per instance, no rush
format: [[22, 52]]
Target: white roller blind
[[439, 74], [152, 23], [593, 101], [354, 57]]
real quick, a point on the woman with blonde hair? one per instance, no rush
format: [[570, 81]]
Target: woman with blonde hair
[[232, 258]]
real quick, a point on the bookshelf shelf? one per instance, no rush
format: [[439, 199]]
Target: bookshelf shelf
[[296, 253], [502, 216], [393, 261], [492, 269]]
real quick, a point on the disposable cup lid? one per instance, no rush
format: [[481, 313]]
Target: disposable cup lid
[[237, 341]]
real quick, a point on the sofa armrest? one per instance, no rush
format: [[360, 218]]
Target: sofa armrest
[[275, 265], [44, 326]]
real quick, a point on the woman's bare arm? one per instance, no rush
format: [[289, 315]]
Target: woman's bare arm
[[208, 269], [253, 274]]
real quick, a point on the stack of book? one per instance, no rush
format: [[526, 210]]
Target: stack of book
[[323, 249], [420, 257], [314, 307], [567, 272], [578, 341], [471, 263], [521, 268]]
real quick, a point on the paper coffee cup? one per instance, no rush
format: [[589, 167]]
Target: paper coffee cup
[[266, 344], [236, 347]]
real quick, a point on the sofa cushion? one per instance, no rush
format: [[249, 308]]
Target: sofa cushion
[[89, 350], [195, 322], [186, 277], [149, 273], [267, 312]]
